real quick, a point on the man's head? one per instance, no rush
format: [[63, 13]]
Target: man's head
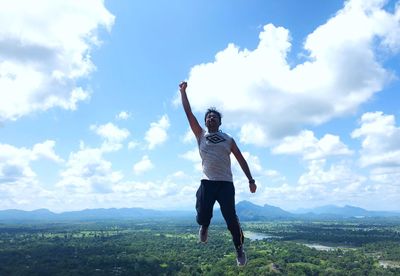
[[212, 119]]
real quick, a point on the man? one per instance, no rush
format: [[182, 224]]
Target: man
[[215, 148]]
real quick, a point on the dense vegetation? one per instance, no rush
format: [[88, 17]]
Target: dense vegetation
[[172, 248]]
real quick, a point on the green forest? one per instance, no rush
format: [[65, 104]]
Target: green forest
[[171, 247]]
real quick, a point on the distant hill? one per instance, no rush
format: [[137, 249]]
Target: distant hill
[[122, 213], [246, 211], [249, 211], [40, 214], [346, 211], [91, 214]]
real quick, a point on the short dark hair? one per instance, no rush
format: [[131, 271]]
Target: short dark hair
[[213, 110]]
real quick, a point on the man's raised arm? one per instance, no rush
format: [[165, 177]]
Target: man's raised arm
[[245, 167], [194, 124]]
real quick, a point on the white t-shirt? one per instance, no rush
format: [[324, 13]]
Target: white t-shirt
[[215, 150]]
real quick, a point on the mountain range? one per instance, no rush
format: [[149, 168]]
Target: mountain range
[[246, 211], [249, 211]]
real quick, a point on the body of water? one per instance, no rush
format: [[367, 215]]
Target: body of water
[[387, 264], [258, 236], [327, 247], [320, 246]]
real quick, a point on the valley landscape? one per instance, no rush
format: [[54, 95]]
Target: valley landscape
[[149, 242]]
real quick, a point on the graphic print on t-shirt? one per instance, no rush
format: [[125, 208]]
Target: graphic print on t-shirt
[[215, 139]]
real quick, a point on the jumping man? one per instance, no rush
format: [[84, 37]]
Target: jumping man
[[215, 148]]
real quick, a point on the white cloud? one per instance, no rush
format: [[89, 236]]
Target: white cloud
[[193, 156], [272, 173], [25, 194], [165, 194], [15, 163], [252, 133], [386, 175], [178, 175], [380, 150], [123, 115], [44, 51], [113, 135], [340, 183], [275, 176], [88, 181], [46, 150], [19, 184], [111, 132], [88, 172], [189, 137], [307, 145], [259, 92], [157, 134], [336, 176], [380, 140], [132, 145], [320, 184], [143, 165], [175, 191]]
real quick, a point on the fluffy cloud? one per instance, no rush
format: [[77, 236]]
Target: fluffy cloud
[[123, 115], [112, 134], [176, 191], [26, 194], [157, 133], [320, 184], [307, 145], [380, 149], [19, 185], [323, 183], [386, 175], [260, 93], [189, 137], [336, 176], [88, 172], [45, 150], [143, 165], [44, 51], [15, 163], [380, 140], [193, 156]]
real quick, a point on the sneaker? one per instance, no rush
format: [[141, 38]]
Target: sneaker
[[241, 259], [203, 234]]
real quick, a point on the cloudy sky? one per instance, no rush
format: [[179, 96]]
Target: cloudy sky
[[90, 115]]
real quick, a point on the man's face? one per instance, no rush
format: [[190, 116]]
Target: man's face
[[212, 120]]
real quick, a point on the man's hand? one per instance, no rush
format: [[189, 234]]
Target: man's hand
[[253, 187], [194, 124], [182, 86]]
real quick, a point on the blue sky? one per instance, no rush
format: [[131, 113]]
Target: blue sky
[[90, 115]]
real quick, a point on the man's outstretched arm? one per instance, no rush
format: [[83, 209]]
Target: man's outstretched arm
[[245, 167], [194, 124]]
